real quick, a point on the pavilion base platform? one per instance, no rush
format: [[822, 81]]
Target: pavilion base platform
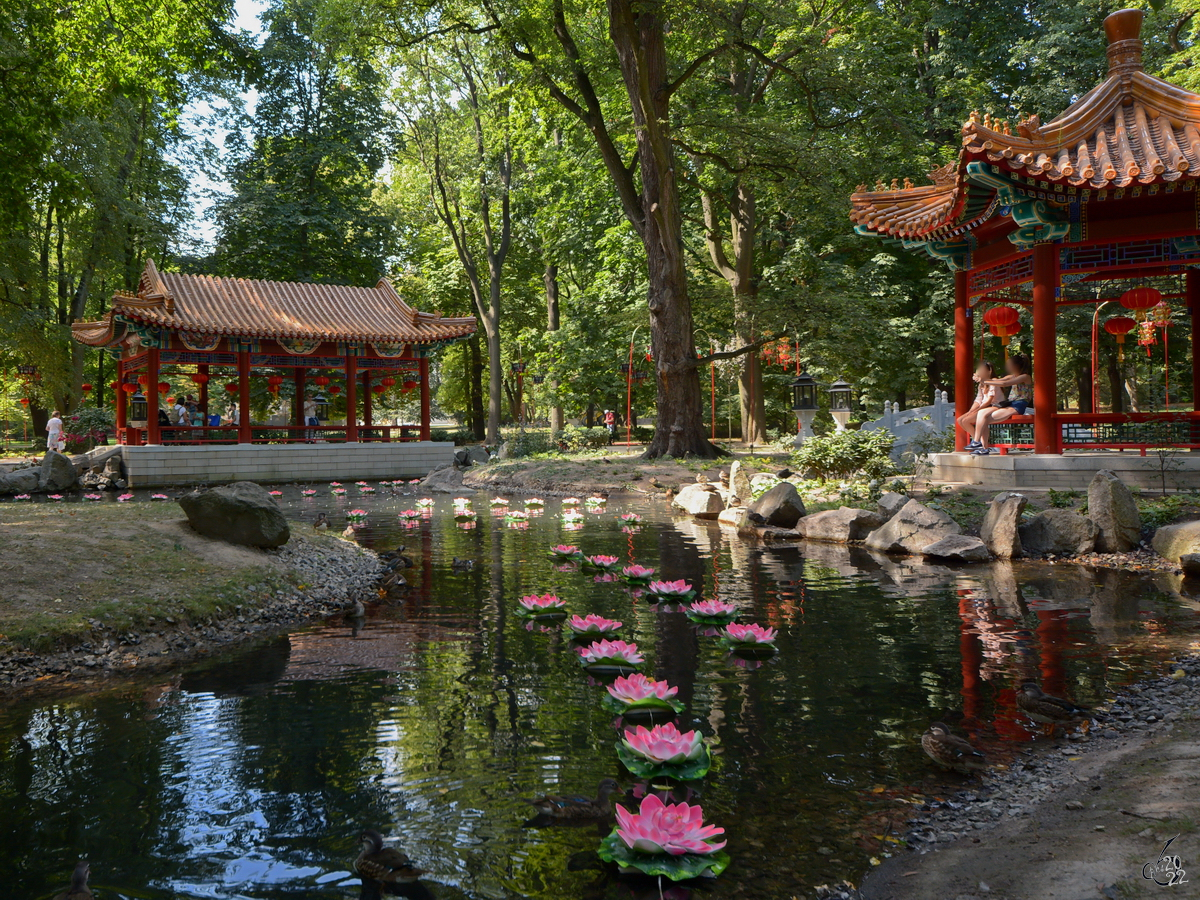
[[1069, 471], [159, 465]]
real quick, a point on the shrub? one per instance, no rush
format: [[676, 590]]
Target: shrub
[[572, 439], [847, 454], [528, 443], [459, 436]]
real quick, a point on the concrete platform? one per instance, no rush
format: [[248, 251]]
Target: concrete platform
[[1070, 471], [152, 466]]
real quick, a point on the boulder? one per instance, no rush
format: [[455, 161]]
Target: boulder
[[737, 517], [781, 506], [1062, 532], [477, 455], [446, 480], [912, 529], [1190, 563], [839, 526], [239, 513], [958, 548], [890, 504], [1176, 541], [739, 483], [504, 451], [58, 472], [22, 481], [699, 500], [763, 482], [1000, 530], [1111, 506]]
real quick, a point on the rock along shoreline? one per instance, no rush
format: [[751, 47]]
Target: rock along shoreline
[[320, 577]]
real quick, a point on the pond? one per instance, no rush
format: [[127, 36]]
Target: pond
[[252, 774]]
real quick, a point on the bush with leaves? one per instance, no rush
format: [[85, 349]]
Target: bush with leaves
[[573, 440], [528, 443], [847, 455]]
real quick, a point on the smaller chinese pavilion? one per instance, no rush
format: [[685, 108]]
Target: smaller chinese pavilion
[[1097, 208], [177, 331]]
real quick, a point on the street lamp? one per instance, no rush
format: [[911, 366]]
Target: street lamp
[[322, 404], [804, 405], [841, 403], [138, 409]]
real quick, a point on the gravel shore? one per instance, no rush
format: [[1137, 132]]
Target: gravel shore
[[313, 577]]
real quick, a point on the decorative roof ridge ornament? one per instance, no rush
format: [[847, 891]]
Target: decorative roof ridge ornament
[[1124, 31], [152, 288]]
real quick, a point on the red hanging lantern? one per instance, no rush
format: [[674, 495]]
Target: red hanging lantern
[[114, 385], [1118, 327], [275, 381], [129, 388], [163, 387], [24, 401], [273, 388], [1005, 333], [321, 380], [143, 380], [232, 388], [170, 401], [408, 386], [335, 389], [378, 388], [200, 378], [1002, 315], [86, 388], [387, 381], [1140, 299]]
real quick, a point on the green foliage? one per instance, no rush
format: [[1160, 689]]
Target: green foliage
[[1161, 511], [847, 454], [1062, 499], [459, 436], [573, 439], [528, 443]]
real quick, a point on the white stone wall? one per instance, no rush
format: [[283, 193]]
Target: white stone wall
[[163, 465], [1070, 471]]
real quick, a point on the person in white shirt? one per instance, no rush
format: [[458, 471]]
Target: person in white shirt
[[310, 417], [54, 429], [985, 399]]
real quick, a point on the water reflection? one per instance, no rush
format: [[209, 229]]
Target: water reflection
[[436, 717]]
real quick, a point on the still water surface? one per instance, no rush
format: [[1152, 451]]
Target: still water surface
[[250, 776]]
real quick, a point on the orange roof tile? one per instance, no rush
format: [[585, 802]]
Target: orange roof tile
[[1131, 128], [207, 305]]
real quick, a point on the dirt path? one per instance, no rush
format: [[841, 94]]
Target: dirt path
[[1105, 815]]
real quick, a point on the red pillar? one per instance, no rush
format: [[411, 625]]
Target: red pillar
[[366, 380], [153, 432], [298, 401], [351, 399], [424, 369], [120, 397], [203, 370], [1193, 301], [1045, 358], [245, 435], [964, 353]]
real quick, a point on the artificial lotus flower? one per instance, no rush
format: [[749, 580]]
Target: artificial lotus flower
[[356, 515], [667, 828], [712, 609], [94, 497], [425, 503], [565, 551], [414, 481], [665, 744], [543, 603], [611, 651], [339, 491], [152, 497], [570, 501], [676, 591], [22, 497], [409, 514], [749, 634], [636, 574], [60, 496], [499, 501], [638, 689], [125, 498], [309, 493], [631, 518], [600, 561], [361, 483], [275, 493], [592, 624], [335, 484], [535, 501]]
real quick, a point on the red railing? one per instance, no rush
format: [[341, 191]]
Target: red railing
[[1105, 431], [269, 434]]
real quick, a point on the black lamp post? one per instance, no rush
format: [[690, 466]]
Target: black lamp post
[[322, 404], [804, 405], [138, 408], [841, 403]]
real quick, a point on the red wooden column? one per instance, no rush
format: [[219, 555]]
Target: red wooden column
[[366, 380], [424, 370], [1192, 282], [964, 355], [203, 370], [1045, 357], [245, 434], [153, 432], [298, 401], [351, 398], [121, 399]]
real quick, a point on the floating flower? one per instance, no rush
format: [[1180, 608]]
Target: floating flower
[[94, 497], [664, 744], [749, 634], [667, 828], [565, 552], [670, 591], [711, 612], [425, 503], [636, 574], [516, 517], [636, 691], [499, 501], [335, 484], [152, 497], [462, 501], [413, 481], [309, 492], [464, 514], [572, 517], [631, 518], [124, 498], [22, 497], [592, 624], [366, 490], [611, 652], [535, 501], [570, 501], [356, 515], [275, 493], [339, 491], [545, 606], [409, 514], [60, 496], [361, 483], [596, 501], [602, 562]]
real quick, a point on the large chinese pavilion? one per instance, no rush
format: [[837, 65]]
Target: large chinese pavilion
[[1099, 205]]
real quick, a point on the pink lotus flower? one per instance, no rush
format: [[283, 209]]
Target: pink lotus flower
[[670, 588], [592, 624], [157, 497], [361, 483], [425, 503], [410, 514], [339, 491], [545, 602], [95, 497], [499, 501], [565, 551], [535, 501], [335, 484], [750, 634], [22, 497], [631, 519], [275, 493], [674, 828], [125, 498], [601, 561], [664, 744], [309, 493], [713, 608], [611, 651], [60, 496], [413, 481], [570, 501], [635, 688], [637, 573]]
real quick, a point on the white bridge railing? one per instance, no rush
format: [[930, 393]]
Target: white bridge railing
[[909, 424]]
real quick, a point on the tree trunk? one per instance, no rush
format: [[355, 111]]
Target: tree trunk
[[1115, 385], [750, 391], [475, 388], [1083, 383], [550, 278], [638, 38], [491, 330]]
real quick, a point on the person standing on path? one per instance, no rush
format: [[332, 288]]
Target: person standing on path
[[310, 417], [54, 429]]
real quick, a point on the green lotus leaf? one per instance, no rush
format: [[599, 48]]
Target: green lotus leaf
[[710, 620], [676, 868], [613, 705], [643, 768]]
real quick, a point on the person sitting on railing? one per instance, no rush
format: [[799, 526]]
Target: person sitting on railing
[[1019, 403], [310, 418], [985, 399]]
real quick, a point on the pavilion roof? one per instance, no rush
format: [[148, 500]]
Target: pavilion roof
[[247, 308], [1131, 129]]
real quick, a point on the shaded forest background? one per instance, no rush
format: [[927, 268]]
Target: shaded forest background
[[581, 175]]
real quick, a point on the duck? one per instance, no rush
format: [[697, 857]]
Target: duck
[[79, 889], [1048, 709], [392, 579], [321, 522], [600, 807], [350, 534], [385, 865], [357, 610], [462, 565], [950, 751]]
